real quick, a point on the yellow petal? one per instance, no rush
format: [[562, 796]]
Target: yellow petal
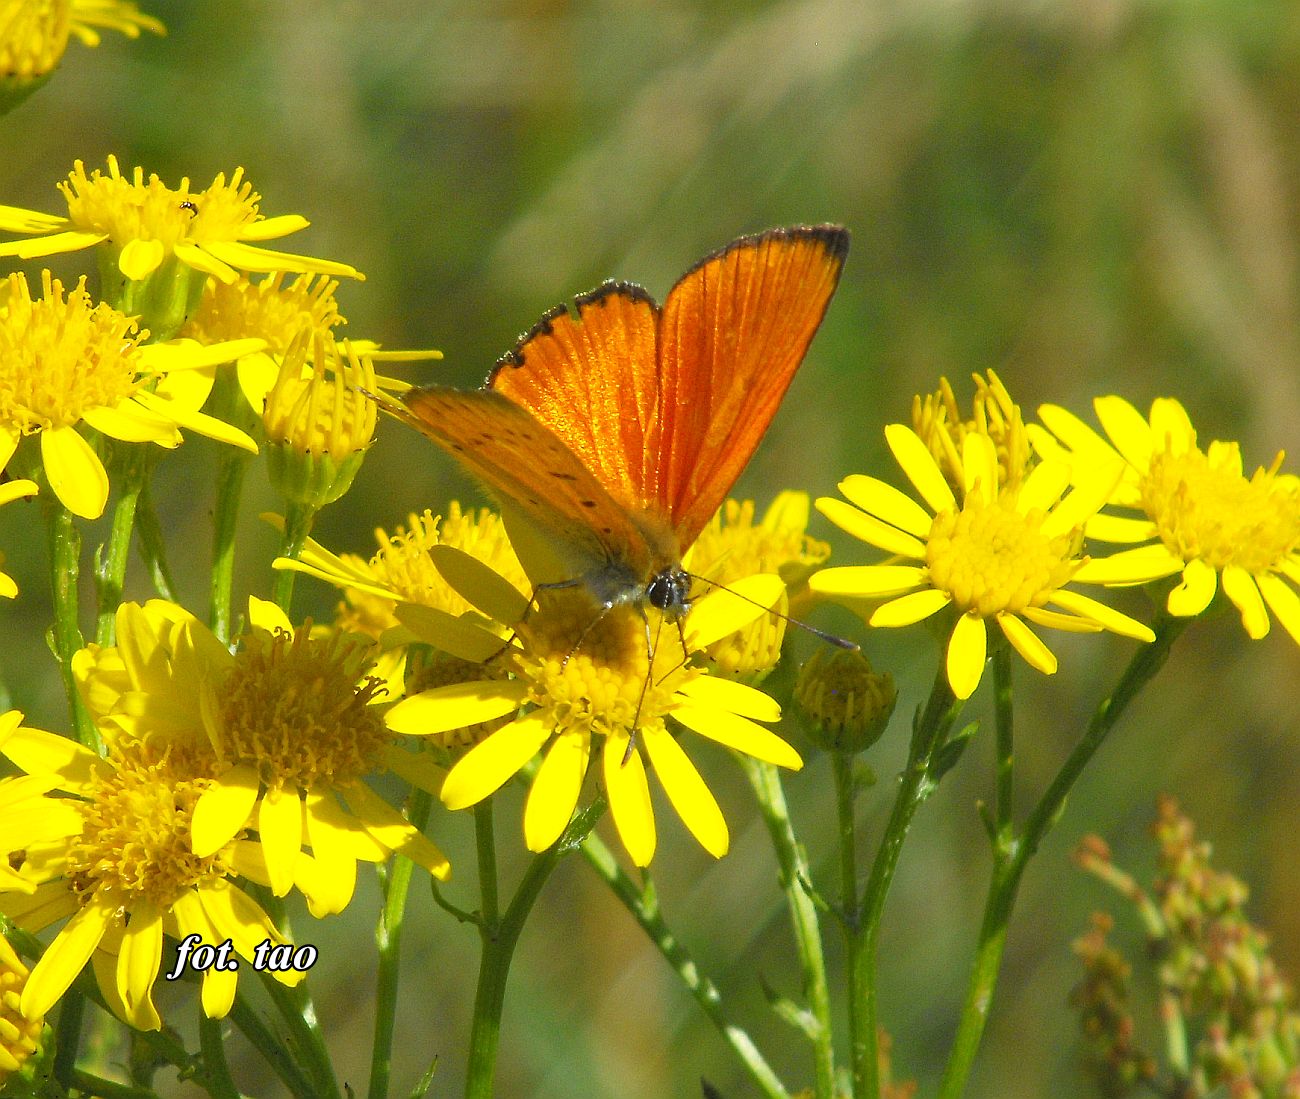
[[12, 490], [688, 793], [141, 258], [979, 461], [200, 260], [388, 827], [237, 917], [420, 769], [40, 753], [279, 822], [726, 694], [910, 609], [1134, 566], [223, 809], [479, 585], [218, 995], [788, 511], [270, 228], [1106, 616], [196, 421], [967, 649], [66, 956], [248, 258], [52, 245], [14, 219], [1115, 528], [885, 502], [1171, 426], [737, 732], [1028, 644], [1127, 429], [1193, 595], [268, 616], [554, 792], [76, 474], [1282, 601], [483, 769], [629, 800], [131, 423], [919, 465], [442, 709], [1240, 587], [137, 965], [1044, 486], [868, 581], [723, 611], [459, 636], [873, 531]]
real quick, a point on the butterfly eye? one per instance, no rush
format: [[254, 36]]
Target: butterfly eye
[[669, 591]]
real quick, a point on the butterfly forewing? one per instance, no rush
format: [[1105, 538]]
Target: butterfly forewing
[[521, 459], [732, 333]]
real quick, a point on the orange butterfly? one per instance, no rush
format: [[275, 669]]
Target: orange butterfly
[[619, 427]]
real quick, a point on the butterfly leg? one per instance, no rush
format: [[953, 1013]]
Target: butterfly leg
[[650, 648]]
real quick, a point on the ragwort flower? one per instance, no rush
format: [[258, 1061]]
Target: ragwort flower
[[34, 33], [1203, 517], [113, 858], [19, 1032], [938, 421], [586, 682], [1002, 555], [69, 361], [214, 231], [283, 729]]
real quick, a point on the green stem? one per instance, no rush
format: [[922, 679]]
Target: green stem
[[153, 550], [67, 1037], [227, 404], [846, 802], [299, 1013], [929, 732], [65, 572], [794, 875], [1011, 857], [217, 1080], [110, 573], [1005, 731], [273, 1050], [396, 884], [88, 1084], [499, 941], [644, 907], [298, 519]]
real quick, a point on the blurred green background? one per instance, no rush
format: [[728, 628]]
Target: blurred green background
[[1090, 197]]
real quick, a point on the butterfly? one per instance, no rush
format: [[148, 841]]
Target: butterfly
[[617, 427]]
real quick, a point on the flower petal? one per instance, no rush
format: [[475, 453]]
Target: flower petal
[[687, 791], [76, 474], [629, 799], [1134, 566], [1127, 429], [137, 965], [479, 585], [52, 245], [979, 467], [909, 609], [1240, 587], [885, 502], [66, 956], [723, 611], [486, 766], [869, 581], [196, 421], [131, 423], [201, 260], [1115, 528], [1282, 601], [223, 809], [726, 694], [442, 709], [555, 789], [1111, 619], [388, 827], [279, 822], [920, 467], [737, 732], [873, 531], [239, 918], [270, 228], [967, 650], [249, 258], [1193, 595], [460, 636], [1028, 644]]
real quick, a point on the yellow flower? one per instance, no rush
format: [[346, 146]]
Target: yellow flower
[[589, 682], [1004, 555], [283, 730], [114, 860], [847, 704], [938, 421], [10, 491], [66, 362], [279, 312], [403, 572], [19, 1032], [34, 33], [731, 546], [147, 223], [1203, 517]]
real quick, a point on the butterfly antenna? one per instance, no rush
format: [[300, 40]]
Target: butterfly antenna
[[823, 635], [651, 649]]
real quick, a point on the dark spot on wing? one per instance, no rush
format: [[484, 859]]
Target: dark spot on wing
[[563, 476], [588, 503]]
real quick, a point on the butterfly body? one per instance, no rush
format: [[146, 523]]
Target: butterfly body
[[618, 427]]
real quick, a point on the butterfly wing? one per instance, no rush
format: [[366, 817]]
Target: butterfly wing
[[522, 460], [733, 332], [589, 375]]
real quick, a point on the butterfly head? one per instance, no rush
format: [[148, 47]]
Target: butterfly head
[[669, 591]]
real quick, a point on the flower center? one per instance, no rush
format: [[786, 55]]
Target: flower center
[[59, 359], [131, 209], [291, 706], [34, 38], [594, 674], [268, 310], [1203, 507], [991, 559], [136, 841]]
